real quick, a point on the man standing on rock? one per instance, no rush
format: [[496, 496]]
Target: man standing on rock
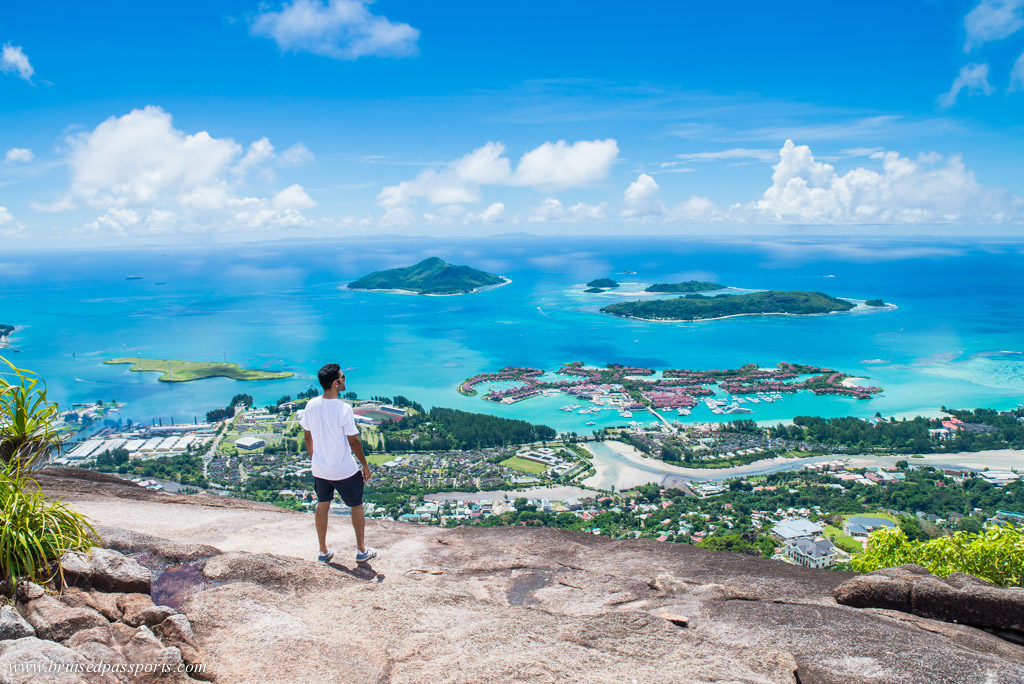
[[331, 440]]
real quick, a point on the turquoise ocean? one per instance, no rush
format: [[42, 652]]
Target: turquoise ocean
[[955, 337]]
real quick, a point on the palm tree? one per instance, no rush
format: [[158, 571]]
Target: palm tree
[[27, 434]]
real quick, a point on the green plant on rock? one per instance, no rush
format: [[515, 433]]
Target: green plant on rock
[[35, 531], [27, 434], [995, 554]]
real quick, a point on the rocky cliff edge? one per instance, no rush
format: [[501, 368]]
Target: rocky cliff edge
[[505, 604]]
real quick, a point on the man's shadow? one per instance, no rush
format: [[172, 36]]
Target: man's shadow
[[362, 571]]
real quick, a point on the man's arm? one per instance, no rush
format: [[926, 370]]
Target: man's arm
[[309, 443], [357, 449]]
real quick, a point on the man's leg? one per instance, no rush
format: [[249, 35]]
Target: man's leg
[[359, 525], [323, 509]]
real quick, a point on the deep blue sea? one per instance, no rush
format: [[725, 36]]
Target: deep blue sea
[[956, 337]]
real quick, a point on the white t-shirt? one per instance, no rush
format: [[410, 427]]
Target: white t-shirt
[[331, 421]]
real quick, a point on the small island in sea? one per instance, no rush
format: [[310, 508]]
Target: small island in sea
[[874, 302], [601, 284], [700, 307], [175, 370], [5, 332], [432, 276], [685, 286]]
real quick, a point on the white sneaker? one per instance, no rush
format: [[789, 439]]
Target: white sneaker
[[363, 556], [325, 557]]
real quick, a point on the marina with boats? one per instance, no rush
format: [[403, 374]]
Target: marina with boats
[[625, 390]]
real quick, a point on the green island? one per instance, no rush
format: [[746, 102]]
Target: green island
[[432, 276], [600, 284], [874, 302], [700, 307], [685, 286], [5, 331], [175, 370]]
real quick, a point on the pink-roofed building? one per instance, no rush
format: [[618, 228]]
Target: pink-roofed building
[[662, 538]]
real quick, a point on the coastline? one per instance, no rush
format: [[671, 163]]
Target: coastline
[[641, 469], [505, 281]]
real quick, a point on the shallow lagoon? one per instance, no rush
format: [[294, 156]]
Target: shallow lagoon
[[955, 339]]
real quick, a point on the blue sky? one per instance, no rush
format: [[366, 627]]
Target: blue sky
[[325, 118]]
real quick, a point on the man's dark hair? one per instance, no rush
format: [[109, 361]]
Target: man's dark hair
[[328, 374]]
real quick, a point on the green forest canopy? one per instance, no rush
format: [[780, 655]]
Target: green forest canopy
[[695, 306], [430, 276]]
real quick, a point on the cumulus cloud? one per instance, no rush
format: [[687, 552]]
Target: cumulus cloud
[[641, 198], [1017, 74], [929, 189], [18, 155], [341, 29], [492, 214], [552, 210], [560, 165], [992, 20], [13, 60], [973, 78], [145, 175], [550, 165], [259, 153], [296, 155], [8, 226]]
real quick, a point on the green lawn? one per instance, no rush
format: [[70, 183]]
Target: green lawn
[[378, 459], [175, 370], [846, 543], [524, 465]]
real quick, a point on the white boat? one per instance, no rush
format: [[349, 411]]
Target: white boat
[[590, 422]]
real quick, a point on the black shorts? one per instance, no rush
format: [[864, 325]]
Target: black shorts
[[350, 489]]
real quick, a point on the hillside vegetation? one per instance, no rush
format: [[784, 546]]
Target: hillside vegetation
[[695, 306], [430, 276]]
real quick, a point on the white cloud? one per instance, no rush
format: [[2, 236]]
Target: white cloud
[[992, 20], [146, 176], [760, 154], [1017, 74], [13, 60], [560, 165], [342, 29], [8, 226], [697, 209], [18, 155], [641, 198], [551, 210], [293, 197], [928, 189], [973, 77], [492, 214], [296, 155], [259, 153], [550, 165]]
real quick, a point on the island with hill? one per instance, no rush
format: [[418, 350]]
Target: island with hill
[[874, 302], [5, 332], [696, 307], [432, 276], [685, 287], [601, 284], [175, 370]]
